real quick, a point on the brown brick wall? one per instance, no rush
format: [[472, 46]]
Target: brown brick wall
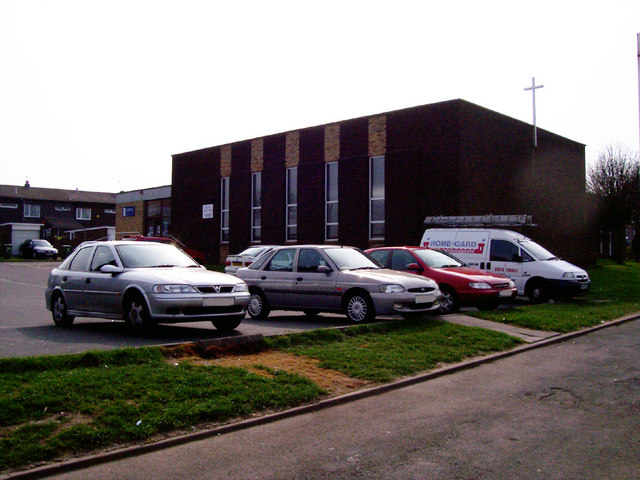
[[133, 224], [377, 135], [257, 155], [292, 149], [332, 143], [225, 161]]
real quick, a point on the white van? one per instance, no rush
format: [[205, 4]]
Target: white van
[[536, 272]]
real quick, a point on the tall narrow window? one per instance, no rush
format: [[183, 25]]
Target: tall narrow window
[[331, 201], [376, 198], [224, 209], [256, 194], [292, 203]]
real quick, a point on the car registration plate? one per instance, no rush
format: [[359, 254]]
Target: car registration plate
[[504, 293], [236, 264], [218, 302], [425, 298]]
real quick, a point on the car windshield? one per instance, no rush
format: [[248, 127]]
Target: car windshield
[[349, 258], [536, 250], [41, 243], [149, 255], [436, 259]]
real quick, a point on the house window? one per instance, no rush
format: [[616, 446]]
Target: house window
[[224, 209], [31, 211], [256, 194], [83, 213], [331, 201], [292, 203], [376, 198]]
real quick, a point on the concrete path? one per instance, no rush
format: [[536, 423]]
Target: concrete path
[[528, 335]]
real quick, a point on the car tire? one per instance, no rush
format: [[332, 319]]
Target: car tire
[[538, 292], [59, 311], [449, 301], [359, 308], [258, 307], [136, 312], [226, 325]]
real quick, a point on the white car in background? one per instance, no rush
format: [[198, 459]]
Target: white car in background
[[245, 258]]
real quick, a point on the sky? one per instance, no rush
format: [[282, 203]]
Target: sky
[[97, 95]]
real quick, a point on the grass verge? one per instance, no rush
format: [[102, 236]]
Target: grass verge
[[52, 407]]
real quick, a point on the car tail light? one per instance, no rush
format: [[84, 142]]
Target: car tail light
[[247, 263], [227, 263]]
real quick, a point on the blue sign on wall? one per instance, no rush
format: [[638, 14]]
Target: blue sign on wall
[[128, 211]]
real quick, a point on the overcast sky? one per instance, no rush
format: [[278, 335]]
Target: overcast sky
[[98, 95]]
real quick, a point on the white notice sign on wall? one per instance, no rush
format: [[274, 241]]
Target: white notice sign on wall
[[207, 211]]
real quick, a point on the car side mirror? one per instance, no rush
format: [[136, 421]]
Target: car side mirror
[[111, 269], [415, 267], [323, 269]]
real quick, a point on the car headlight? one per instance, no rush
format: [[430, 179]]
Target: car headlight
[[480, 285], [512, 284], [568, 275], [391, 288], [174, 289], [241, 287]]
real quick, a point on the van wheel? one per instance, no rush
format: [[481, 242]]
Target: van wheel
[[538, 292], [449, 301]]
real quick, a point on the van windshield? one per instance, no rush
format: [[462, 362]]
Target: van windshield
[[536, 250]]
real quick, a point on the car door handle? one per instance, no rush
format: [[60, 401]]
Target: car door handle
[[87, 280], [299, 279], [263, 277]]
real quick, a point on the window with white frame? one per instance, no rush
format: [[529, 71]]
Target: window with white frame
[[256, 208], [83, 213], [292, 203], [224, 209], [376, 198], [331, 200], [31, 211]]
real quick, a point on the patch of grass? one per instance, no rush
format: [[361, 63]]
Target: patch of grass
[[383, 352], [82, 402], [614, 292]]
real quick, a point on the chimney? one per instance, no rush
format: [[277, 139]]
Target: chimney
[[26, 184]]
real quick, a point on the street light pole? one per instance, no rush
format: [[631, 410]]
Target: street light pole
[[533, 88]]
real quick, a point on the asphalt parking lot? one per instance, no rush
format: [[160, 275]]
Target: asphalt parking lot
[[27, 329]]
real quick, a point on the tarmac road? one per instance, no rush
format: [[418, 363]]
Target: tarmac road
[[570, 410], [26, 327]]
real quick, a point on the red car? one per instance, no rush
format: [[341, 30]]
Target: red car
[[460, 285]]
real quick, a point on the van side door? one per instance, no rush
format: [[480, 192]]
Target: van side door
[[505, 258]]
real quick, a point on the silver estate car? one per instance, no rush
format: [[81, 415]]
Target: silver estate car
[[315, 278], [143, 283]]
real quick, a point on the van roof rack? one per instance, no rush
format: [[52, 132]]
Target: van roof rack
[[481, 221]]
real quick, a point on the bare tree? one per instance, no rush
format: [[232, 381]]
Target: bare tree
[[613, 180]]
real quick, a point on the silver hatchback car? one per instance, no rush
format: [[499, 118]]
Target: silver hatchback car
[[317, 278], [143, 283]]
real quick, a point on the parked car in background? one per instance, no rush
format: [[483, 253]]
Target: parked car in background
[[321, 278], [460, 284], [38, 248], [143, 283], [245, 258], [195, 254]]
